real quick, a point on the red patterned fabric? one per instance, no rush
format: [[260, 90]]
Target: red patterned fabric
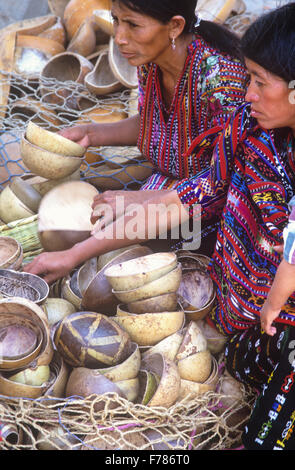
[[258, 167], [180, 142]]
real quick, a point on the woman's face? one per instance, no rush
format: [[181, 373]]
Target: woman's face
[[270, 98], [140, 38]]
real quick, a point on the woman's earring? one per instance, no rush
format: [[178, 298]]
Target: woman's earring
[[173, 44]]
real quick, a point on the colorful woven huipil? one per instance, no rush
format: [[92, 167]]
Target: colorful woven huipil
[[258, 167], [179, 141]]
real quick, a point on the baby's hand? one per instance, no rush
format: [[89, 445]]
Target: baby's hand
[[267, 316]]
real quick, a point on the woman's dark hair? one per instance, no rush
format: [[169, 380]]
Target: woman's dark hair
[[217, 36], [270, 42]]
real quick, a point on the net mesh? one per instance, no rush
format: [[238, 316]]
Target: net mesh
[[212, 421], [116, 167]]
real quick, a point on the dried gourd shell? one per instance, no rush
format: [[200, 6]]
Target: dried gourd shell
[[69, 295], [148, 384], [52, 141], [168, 346], [14, 389], [26, 193], [130, 388], [43, 185], [168, 388], [195, 290], [194, 389], [21, 311], [199, 314], [84, 40], [32, 53], [101, 80], [32, 376], [196, 367], [85, 382], [215, 340], [12, 359], [104, 20], [11, 208], [64, 220], [65, 68], [92, 340], [57, 308], [193, 342], [11, 252], [35, 26], [48, 164], [98, 295], [76, 12], [105, 258], [165, 284], [17, 341], [149, 328], [122, 70], [60, 373], [140, 271], [160, 303], [127, 369], [55, 31]]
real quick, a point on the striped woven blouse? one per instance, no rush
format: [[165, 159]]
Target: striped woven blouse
[[258, 169], [210, 88]]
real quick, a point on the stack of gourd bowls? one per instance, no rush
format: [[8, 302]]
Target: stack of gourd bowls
[[51, 159], [145, 351], [28, 365], [152, 357]]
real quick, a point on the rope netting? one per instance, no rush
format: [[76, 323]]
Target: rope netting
[[107, 167], [212, 421]]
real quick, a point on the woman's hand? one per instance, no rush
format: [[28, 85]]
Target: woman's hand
[[119, 133], [51, 266], [78, 134], [110, 205], [107, 207]]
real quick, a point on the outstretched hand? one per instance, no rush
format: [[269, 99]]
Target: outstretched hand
[[50, 266], [78, 134]]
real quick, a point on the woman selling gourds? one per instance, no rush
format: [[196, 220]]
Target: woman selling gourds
[[190, 80]]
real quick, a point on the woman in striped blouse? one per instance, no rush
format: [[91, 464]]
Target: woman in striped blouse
[[190, 80]]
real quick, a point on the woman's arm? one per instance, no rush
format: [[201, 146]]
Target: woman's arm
[[120, 133], [281, 289], [143, 221]]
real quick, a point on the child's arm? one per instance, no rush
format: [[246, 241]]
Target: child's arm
[[283, 286]]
